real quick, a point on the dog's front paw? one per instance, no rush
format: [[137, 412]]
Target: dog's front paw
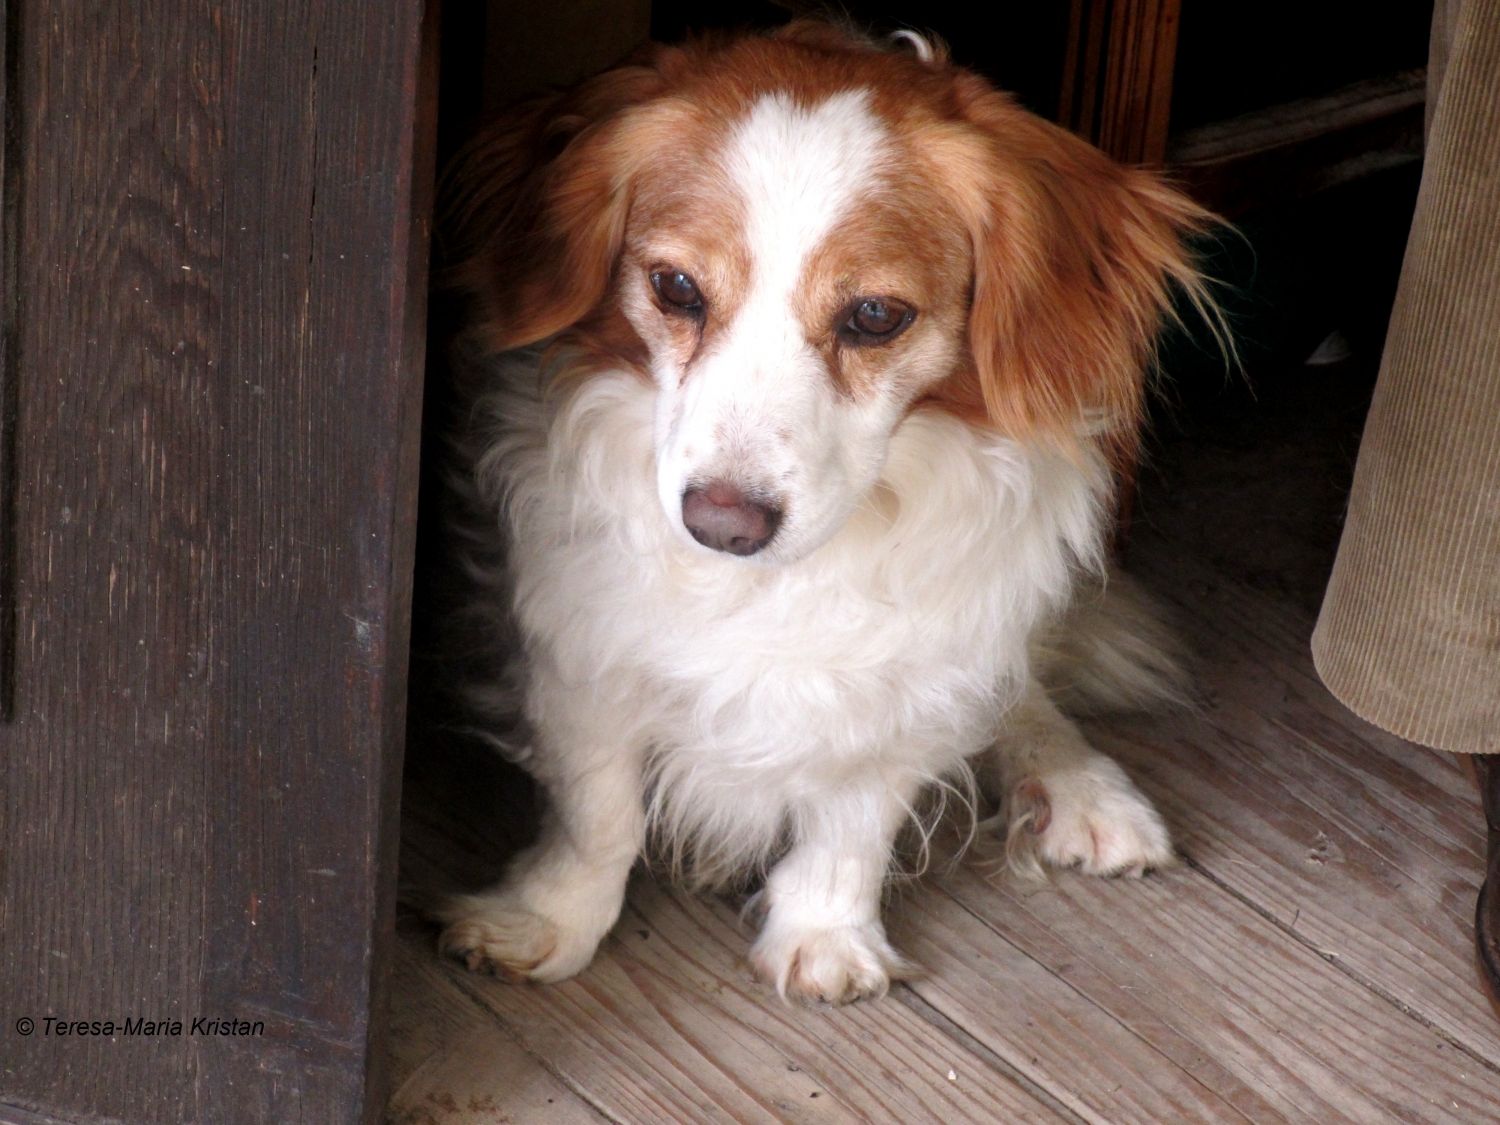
[[496, 934], [837, 965], [1091, 817]]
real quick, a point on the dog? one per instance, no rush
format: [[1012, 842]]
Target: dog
[[805, 364]]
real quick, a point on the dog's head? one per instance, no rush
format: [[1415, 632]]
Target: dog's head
[[800, 239]]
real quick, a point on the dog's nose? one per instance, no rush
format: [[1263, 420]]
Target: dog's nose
[[720, 516]]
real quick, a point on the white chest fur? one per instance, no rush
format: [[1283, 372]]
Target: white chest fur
[[895, 646]]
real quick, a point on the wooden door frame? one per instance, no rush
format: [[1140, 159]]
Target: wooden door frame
[[216, 380]]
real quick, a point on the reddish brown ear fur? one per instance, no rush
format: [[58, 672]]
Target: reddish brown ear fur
[[1076, 258], [540, 201]]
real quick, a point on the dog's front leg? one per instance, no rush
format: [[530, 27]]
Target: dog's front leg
[[544, 920], [1068, 804], [822, 938]]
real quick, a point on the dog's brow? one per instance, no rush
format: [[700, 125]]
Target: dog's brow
[[798, 170]]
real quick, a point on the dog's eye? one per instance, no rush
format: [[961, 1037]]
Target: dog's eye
[[876, 320], [678, 290]]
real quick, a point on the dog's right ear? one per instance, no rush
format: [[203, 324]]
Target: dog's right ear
[[536, 204]]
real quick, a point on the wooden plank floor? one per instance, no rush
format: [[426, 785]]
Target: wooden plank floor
[[1309, 960]]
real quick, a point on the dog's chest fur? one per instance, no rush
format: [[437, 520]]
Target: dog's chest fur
[[893, 647]]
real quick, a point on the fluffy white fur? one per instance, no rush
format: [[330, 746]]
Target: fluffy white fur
[[783, 713], [739, 711]]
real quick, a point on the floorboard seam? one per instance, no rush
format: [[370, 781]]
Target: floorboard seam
[[472, 992], [951, 1029], [1089, 999], [1346, 969]]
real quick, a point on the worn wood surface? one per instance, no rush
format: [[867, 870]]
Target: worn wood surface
[[1117, 75], [667, 1025], [9, 327], [1337, 796], [1311, 958], [455, 1061], [1258, 1018], [1168, 999], [217, 377]]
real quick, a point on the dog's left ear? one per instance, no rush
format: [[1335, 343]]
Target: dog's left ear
[[1076, 259]]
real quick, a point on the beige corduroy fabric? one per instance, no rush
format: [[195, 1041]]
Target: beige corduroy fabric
[[1409, 634]]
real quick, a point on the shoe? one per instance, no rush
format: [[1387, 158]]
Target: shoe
[[1487, 916]]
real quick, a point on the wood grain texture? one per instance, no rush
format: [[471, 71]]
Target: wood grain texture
[[668, 1025], [1171, 998], [219, 376], [1367, 849], [1176, 998], [10, 195], [452, 1063], [1029, 1004], [1117, 75], [1257, 1017]]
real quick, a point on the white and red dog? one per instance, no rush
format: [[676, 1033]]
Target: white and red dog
[[805, 362]]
